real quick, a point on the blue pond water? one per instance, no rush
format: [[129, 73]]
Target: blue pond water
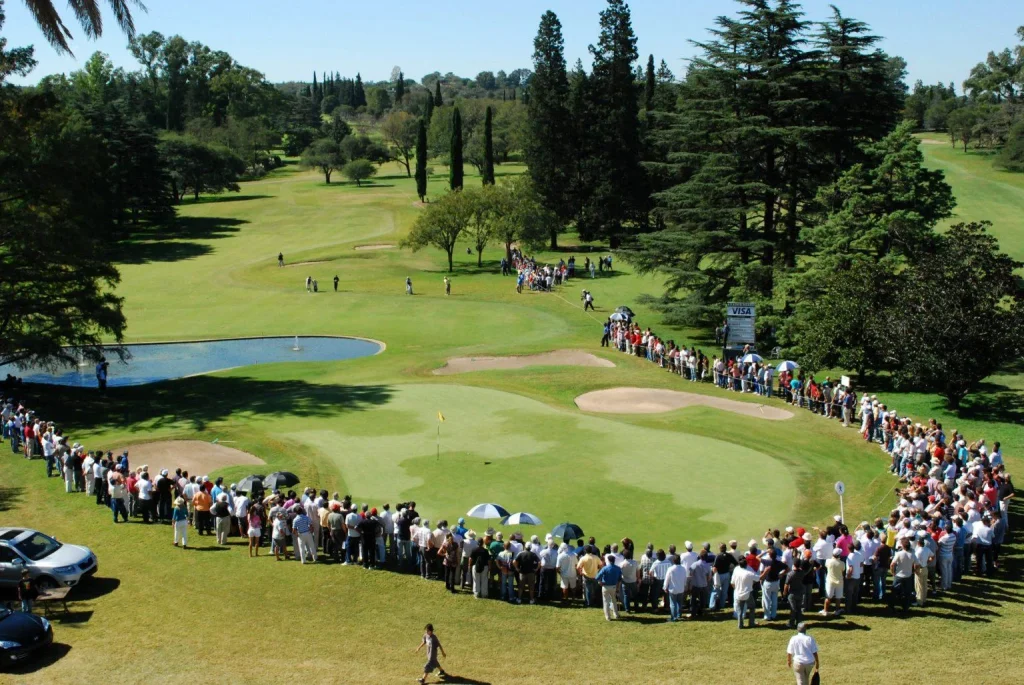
[[163, 361]]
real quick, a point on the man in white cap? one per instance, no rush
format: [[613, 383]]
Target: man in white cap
[[835, 573]]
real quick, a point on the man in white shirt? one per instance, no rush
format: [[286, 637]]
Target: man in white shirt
[[902, 568], [566, 564], [675, 588], [923, 556], [87, 465], [854, 575], [742, 583], [982, 534], [802, 655], [240, 510], [145, 488]]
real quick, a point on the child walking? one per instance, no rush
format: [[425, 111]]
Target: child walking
[[432, 644]]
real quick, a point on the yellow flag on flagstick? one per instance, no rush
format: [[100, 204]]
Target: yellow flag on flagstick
[[440, 417]]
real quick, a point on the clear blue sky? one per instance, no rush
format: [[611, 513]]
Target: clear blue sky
[[286, 40]]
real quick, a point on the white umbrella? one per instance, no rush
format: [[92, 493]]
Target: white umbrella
[[787, 366], [521, 519], [752, 358], [487, 511]]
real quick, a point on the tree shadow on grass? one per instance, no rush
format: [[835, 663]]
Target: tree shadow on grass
[[201, 400], [217, 199], [170, 242], [9, 497]]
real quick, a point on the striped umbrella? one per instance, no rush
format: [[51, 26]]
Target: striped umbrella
[[487, 511], [521, 518]]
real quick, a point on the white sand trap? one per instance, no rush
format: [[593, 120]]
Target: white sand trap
[[312, 261], [381, 246], [556, 358], [194, 456], [654, 401]]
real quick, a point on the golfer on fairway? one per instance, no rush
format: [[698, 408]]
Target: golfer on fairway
[[432, 644]]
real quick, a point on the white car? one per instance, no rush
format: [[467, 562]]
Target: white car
[[50, 563]]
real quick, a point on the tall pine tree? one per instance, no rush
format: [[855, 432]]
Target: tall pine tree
[[359, 94], [421, 161], [400, 88], [455, 171], [438, 102], [649, 82], [549, 153], [428, 109], [617, 205], [488, 175]]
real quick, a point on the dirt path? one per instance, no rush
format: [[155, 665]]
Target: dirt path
[[556, 358], [381, 246], [195, 456], [655, 401]]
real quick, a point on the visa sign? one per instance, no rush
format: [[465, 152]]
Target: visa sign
[[740, 310]]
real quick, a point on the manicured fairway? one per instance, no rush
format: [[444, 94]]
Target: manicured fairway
[[369, 427]]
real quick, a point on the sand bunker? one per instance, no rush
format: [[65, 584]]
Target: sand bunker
[[312, 261], [381, 246], [654, 401], [195, 456], [556, 358]]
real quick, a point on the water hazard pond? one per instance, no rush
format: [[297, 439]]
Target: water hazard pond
[[154, 362]]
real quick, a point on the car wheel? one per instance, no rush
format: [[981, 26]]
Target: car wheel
[[45, 583]]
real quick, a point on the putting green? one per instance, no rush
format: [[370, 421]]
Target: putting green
[[613, 479]]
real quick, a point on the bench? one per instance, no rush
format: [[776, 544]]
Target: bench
[[58, 595]]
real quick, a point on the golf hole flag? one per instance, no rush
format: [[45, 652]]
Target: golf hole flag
[[440, 417]]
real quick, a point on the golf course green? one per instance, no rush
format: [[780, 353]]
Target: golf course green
[[370, 427]]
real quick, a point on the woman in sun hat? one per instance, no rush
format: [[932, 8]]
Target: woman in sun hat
[[179, 521]]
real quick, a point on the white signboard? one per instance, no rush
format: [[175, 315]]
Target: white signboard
[[845, 380], [740, 316], [840, 488]]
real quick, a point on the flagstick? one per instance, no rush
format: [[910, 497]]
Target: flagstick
[[439, 441]]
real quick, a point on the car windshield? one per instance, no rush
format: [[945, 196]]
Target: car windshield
[[38, 546]]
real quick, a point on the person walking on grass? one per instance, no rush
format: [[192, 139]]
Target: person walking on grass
[[802, 655], [336, 279], [309, 284], [408, 285], [447, 286], [433, 646], [179, 520], [280, 259]]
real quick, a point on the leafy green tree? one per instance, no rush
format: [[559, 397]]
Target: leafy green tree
[[961, 123], [550, 157], [325, 155], [359, 170], [963, 310], [480, 230], [377, 101], [337, 129], [1011, 157], [196, 167], [455, 171], [518, 215], [617, 203], [488, 175], [400, 131], [486, 80], [364, 147], [421, 161], [57, 276], [441, 223]]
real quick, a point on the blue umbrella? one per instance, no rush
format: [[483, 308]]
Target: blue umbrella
[[752, 358], [521, 519], [787, 366], [567, 531], [487, 511]]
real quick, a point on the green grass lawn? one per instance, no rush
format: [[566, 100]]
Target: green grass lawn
[[369, 427]]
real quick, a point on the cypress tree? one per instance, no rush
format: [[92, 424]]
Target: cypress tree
[[400, 88], [649, 85], [488, 149], [421, 161], [455, 170], [438, 102], [549, 153], [360, 94], [618, 203], [316, 91], [428, 109]]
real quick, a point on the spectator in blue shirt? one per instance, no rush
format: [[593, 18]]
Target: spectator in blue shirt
[[610, 577]]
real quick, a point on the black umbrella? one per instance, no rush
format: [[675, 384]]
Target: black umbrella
[[280, 479], [567, 531], [249, 483]]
